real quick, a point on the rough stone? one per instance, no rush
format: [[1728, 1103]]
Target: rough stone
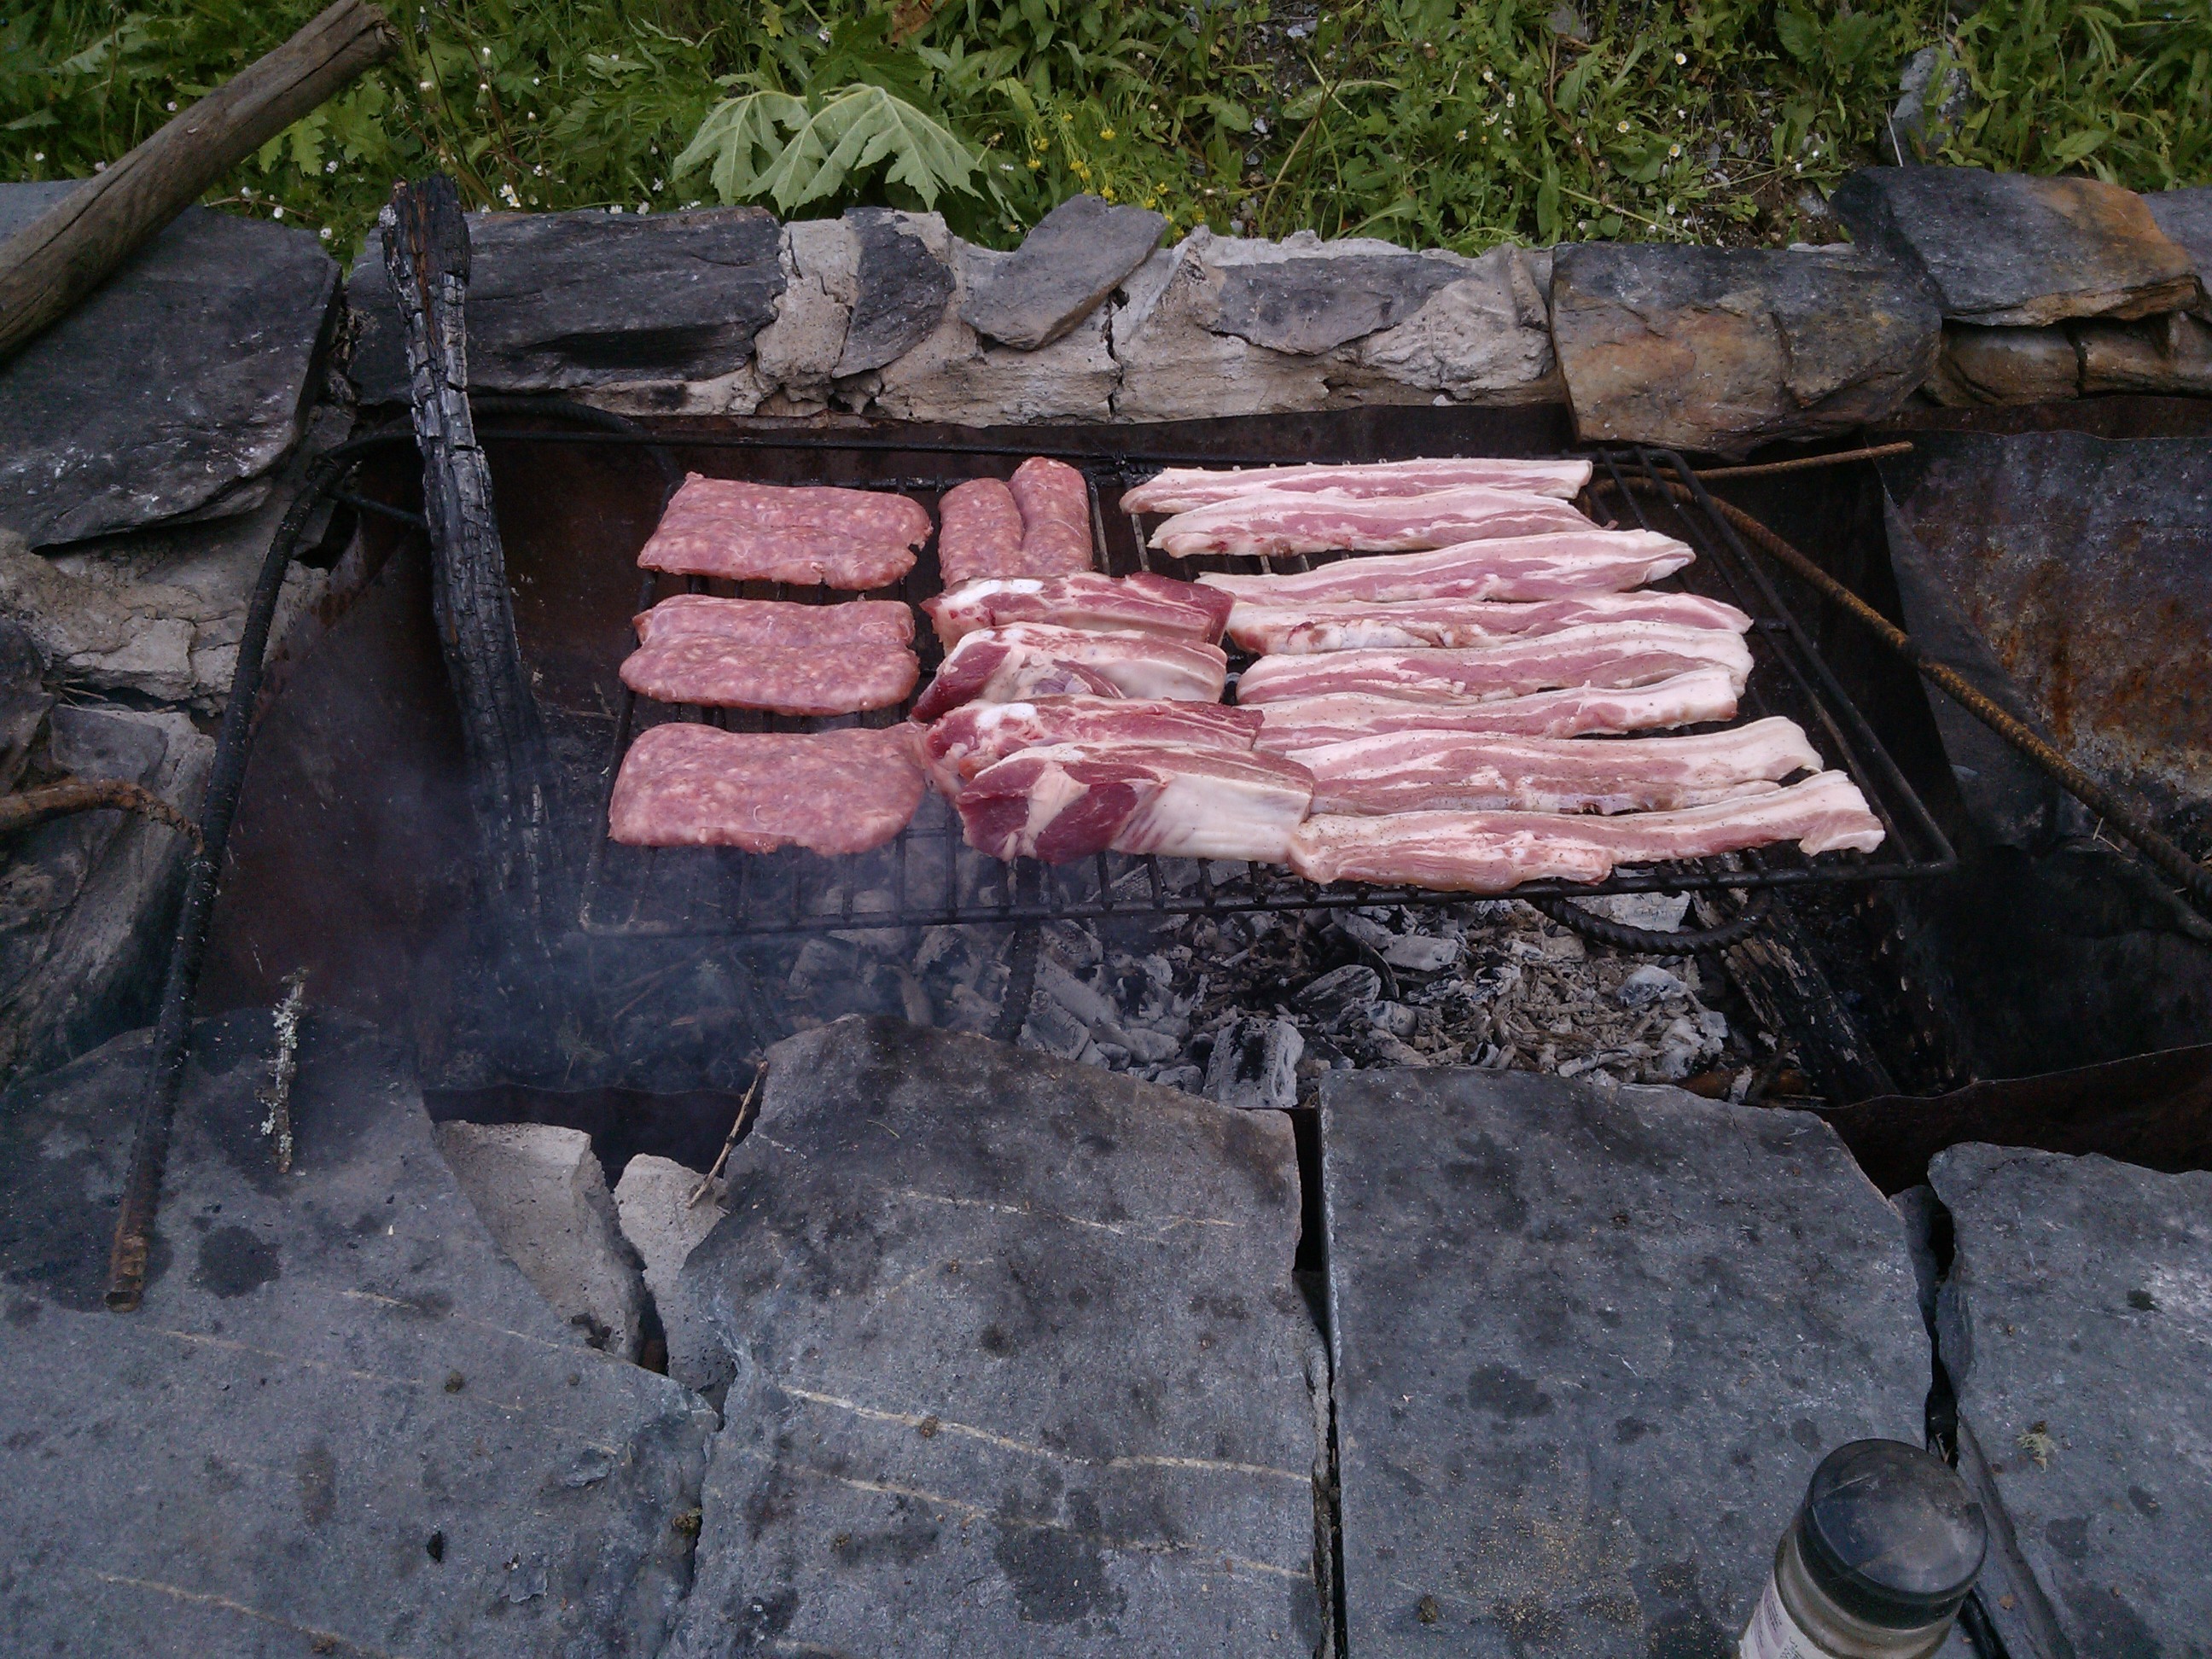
[[591, 301], [2185, 216], [170, 390], [1590, 1344], [24, 699], [798, 351], [1483, 337], [2011, 248], [2006, 365], [87, 901], [664, 1227], [1722, 349], [540, 1190], [2074, 1325], [2170, 354], [1020, 1367], [341, 1422], [904, 283], [1254, 1065], [1310, 306], [1076, 256]]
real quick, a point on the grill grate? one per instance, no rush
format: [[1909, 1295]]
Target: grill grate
[[928, 877]]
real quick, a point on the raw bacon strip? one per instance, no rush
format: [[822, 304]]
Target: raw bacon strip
[[1496, 852], [1305, 723], [979, 531], [1520, 568], [842, 677], [1284, 522], [1473, 772], [1067, 801], [1055, 505], [1180, 489], [845, 538], [976, 734], [1296, 630], [776, 621], [829, 791], [1149, 604], [1031, 660], [1601, 654]]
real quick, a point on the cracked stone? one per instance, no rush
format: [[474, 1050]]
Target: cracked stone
[[2186, 216], [2006, 365], [904, 282], [1076, 256], [798, 351], [2169, 355], [653, 1201], [1310, 306]]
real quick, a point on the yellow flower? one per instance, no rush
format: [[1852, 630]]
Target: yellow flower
[[1681, 57], [1106, 190], [1673, 150], [1106, 133], [1035, 164], [1623, 127]]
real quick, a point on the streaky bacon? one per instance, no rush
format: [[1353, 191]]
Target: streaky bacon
[[1144, 602], [1180, 489], [1294, 727], [1516, 567], [1292, 630], [1280, 522], [1030, 660], [1067, 801], [1600, 654], [976, 734]]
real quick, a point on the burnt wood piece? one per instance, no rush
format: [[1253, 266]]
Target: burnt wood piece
[[426, 243], [1779, 977], [60, 257]]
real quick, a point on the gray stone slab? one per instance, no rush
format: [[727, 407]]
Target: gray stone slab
[[2186, 216], [902, 288], [1074, 257], [1590, 1344], [2013, 248], [559, 301], [2076, 1325], [181, 380], [341, 1422], [1314, 305], [1020, 1367]]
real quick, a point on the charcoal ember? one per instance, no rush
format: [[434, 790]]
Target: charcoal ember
[[1392, 1019], [1655, 913], [1338, 991], [1647, 985], [1253, 1065], [1189, 1079]]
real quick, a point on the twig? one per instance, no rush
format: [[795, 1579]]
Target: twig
[[737, 1130], [283, 1066], [54, 800]]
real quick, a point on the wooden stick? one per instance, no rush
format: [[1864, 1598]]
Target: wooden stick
[[64, 253], [54, 800]]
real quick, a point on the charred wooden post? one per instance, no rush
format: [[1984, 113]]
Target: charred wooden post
[[426, 250], [1779, 974]]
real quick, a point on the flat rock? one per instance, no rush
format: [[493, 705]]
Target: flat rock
[[2167, 356], [1074, 257], [341, 1422], [1020, 1366], [2185, 216], [2006, 365], [180, 381], [1724, 349], [1590, 1344], [24, 699], [798, 351], [654, 1198], [903, 281], [2074, 1325], [1486, 337], [2013, 248], [1310, 306], [561, 301]]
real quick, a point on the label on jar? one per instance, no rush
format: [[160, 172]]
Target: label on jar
[[1773, 1634]]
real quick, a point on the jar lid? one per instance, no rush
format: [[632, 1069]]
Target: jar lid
[[1891, 1535]]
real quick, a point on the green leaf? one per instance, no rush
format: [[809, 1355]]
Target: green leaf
[[1799, 32], [771, 144], [1227, 110], [2069, 150]]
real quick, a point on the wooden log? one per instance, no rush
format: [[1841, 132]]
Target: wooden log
[[64, 253]]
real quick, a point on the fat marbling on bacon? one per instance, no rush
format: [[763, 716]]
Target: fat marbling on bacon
[[1030, 660], [1146, 603], [1278, 522], [1067, 801], [1519, 568], [1496, 852], [976, 734], [829, 791], [799, 534], [1599, 654], [1180, 489], [1292, 727], [1296, 630]]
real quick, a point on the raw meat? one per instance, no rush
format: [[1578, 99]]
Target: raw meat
[[976, 734], [829, 791], [1180, 489], [1055, 505], [1294, 630], [841, 677], [1032, 659], [1292, 727], [1519, 568], [1600, 654], [979, 531], [845, 538], [1475, 772], [776, 621], [1149, 604], [1496, 852], [1067, 801], [1285, 521]]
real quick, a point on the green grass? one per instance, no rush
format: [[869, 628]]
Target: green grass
[[1434, 124]]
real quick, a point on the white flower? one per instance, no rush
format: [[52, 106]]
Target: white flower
[[656, 186], [1673, 150], [325, 232], [1462, 134], [101, 166], [331, 166], [1487, 76], [1681, 57], [487, 51], [424, 85], [276, 213], [40, 156], [247, 192], [1509, 100], [1621, 127], [172, 105], [617, 208], [534, 80]]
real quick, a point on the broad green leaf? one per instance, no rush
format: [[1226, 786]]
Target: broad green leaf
[[1799, 32]]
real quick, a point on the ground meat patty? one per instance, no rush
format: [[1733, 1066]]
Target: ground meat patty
[[1055, 505], [843, 678], [979, 531], [829, 791], [777, 621], [846, 539]]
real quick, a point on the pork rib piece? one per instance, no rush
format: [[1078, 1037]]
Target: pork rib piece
[[1067, 801], [1293, 726], [1478, 772], [1056, 504], [976, 734], [1496, 852], [1146, 603], [1519, 568], [1180, 489], [829, 791], [979, 531], [1285, 521], [1601, 654], [1298, 630], [1032, 659], [844, 539], [775, 622]]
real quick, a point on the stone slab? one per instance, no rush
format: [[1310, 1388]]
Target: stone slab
[[1074, 257], [1724, 349], [561, 301], [341, 1422], [183, 378], [2007, 366], [2185, 216], [1307, 306], [2014, 249], [1020, 1366], [903, 284], [1590, 1344], [2075, 1323], [662, 1223], [2169, 355]]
